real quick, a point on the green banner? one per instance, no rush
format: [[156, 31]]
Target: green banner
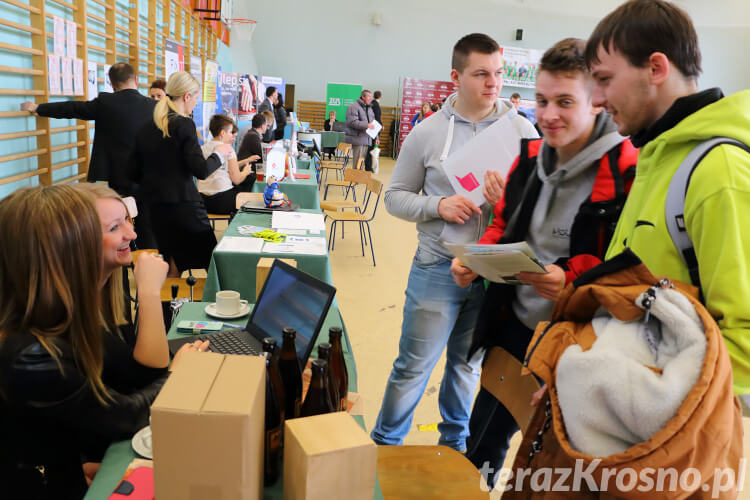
[[340, 96]]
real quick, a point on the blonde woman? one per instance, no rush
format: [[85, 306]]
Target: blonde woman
[[423, 113], [166, 158]]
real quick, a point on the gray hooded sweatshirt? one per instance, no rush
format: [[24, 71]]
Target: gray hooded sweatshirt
[[419, 182], [563, 191]]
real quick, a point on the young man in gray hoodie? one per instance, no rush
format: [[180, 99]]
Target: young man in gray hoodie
[[563, 196], [437, 312]]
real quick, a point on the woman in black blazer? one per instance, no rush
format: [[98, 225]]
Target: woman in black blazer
[[166, 158]]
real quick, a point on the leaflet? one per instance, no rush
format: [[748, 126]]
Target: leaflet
[[498, 263], [375, 130]]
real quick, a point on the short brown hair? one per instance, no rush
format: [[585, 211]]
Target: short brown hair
[[268, 115], [515, 95], [566, 56], [475, 42], [639, 28], [120, 73], [219, 123], [158, 84]]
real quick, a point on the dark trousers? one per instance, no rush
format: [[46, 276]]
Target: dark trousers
[[491, 425], [225, 203], [368, 157]]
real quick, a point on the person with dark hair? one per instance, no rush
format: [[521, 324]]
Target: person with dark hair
[[560, 187], [438, 314], [359, 119], [118, 117], [377, 113], [272, 96], [645, 59], [279, 117], [156, 90], [219, 190], [515, 100], [251, 144]]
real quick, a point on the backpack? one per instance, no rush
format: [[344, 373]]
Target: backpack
[[675, 205]]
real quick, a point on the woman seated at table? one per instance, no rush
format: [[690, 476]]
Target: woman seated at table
[[219, 190], [56, 410], [328, 127], [166, 158]]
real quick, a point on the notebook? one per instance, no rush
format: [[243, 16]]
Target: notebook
[[289, 298]]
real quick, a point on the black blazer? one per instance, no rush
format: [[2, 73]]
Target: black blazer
[[165, 166], [250, 146], [327, 125], [118, 117], [376, 110]]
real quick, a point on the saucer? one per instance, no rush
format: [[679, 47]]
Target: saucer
[[244, 310], [142, 442]]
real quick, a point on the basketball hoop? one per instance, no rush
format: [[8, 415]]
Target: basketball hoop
[[242, 28]]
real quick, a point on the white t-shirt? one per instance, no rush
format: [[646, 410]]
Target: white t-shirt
[[219, 181]]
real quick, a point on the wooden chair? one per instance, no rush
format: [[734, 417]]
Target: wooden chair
[[374, 188], [339, 163], [352, 177]]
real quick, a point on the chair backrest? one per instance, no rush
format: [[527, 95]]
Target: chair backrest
[[356, 176], [243, 198], [374, 187], [344, 148]]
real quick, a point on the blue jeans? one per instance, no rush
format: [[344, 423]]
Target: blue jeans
[[437, 313]]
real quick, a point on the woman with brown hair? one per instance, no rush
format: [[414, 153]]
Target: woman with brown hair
[[56, 409]]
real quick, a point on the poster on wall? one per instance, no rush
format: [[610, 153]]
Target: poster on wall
[[67, 75], [59, 35], [78, 88], [229, 85], [53, 73], [521, 66], [248, 98], [211, 99], [271, 81], [91, 83], [340, 96], [107, 82], [71, 38], [415, 92], [196, 68], [174, 57]]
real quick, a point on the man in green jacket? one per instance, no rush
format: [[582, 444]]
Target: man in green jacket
[[645, 59]]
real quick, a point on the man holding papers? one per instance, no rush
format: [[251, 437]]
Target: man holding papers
[[360, 121], [437, 312], [563, 197]]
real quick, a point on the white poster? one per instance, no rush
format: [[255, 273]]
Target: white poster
[[107, 83], [196, 68], [53, 72], [174, 58], [59, 35], [67, 75], [78, 76], [521, 66], [71, 39], [91, 83]]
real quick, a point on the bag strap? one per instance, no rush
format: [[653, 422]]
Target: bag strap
[[675, 203]]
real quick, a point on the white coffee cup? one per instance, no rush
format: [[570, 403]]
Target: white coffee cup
[[228, 302]]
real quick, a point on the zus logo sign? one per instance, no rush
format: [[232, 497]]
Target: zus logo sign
[[334, 101]]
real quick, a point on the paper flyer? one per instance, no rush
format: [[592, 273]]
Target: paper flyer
[[67, 75], [53, 73], [71, 39], [91, 76], [59, 36], [275, 162], [107, 83], [78, 88]]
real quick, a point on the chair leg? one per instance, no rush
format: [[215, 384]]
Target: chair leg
[[362, 234], [342, 229], [332, 235], [361, 239], [325, 193], [372, 247]]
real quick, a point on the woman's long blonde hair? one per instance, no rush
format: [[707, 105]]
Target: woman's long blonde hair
[[113, 296], [179, 84], [50, 261]]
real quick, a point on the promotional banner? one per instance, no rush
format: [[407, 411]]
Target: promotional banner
[[414, 93], [174, 57], [521, 66], [339, 96], [249, 97], [229, 87], [271, 81], [211, 99]]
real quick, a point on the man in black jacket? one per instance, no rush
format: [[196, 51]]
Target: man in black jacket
[[272, 97], [118, 117], [378, 113], [251, 143]]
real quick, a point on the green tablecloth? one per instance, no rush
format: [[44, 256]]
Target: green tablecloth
[[120, 454], [331, 139], [303, 192], [236, 270]]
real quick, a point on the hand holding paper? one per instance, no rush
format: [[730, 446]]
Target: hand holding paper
[[494, 186], [499, 263], [462, 275], [373, 129], [548, 286], [457, 209]]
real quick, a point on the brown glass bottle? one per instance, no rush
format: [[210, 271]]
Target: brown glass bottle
[[273, 427], [317, 400], [274, 374], [338, 365], [324, 352], [291, 374]]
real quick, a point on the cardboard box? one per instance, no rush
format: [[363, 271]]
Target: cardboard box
[[327, 457], [262, 270], [208, 426]]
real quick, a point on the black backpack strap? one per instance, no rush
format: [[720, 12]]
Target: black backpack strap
[[675, 204]]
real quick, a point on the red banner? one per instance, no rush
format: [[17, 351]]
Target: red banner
[[416, 92]]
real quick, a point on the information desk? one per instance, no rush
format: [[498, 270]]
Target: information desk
[[231, 270], [120, 454], [303, 192]]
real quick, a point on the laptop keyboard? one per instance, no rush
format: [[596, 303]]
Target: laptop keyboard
[[228, 342]]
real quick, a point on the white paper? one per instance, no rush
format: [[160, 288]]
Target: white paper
[[498, 263], [297, 245], [67, 76], [297, 220], [107, 83], [78, 76], [240, 244], [275, 163], [59, 35], [91, 76], [53, 73], [495, 148], [373, 132], [71, 38]]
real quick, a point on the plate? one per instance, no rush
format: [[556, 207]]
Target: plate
[[211, 311], [142, 442]]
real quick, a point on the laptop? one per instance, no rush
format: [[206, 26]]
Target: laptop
[[289, 298]]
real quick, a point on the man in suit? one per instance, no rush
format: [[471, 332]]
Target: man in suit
[[375, 111], [272, 97], [118, 117]]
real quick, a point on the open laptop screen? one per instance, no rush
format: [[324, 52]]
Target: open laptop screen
[[291, 298]]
